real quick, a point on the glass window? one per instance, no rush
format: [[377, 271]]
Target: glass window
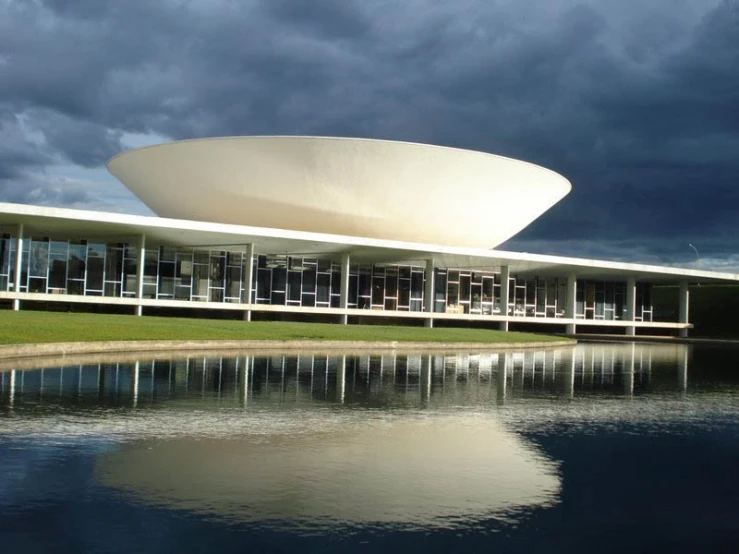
[[324, 288], [464, 288], [293, 286], [309, 279], [95, 267], [417, 285], [39, 259]]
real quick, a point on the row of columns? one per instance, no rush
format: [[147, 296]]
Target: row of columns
[[570, 300]]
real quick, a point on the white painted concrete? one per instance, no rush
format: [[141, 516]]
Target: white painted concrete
[[361, 187], [684, 306], [428, 292], [18, 260], [505, 289], [570, 300], [43, 221], [344, 293], [630, 307]]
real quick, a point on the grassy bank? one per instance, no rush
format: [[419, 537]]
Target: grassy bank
[[26, 327]]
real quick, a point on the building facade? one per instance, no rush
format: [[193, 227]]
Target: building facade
[[277, 227]]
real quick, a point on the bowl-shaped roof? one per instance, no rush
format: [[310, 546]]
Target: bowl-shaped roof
[[360, 187]]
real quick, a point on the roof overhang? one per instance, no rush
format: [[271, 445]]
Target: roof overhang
[[62, 223]]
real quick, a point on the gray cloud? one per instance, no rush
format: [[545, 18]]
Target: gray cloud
[[634, 104]]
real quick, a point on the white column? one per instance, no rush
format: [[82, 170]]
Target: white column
[[570, 302], [630, 306], [248, 277], [684, 306], [505, 289], [344, 297], [428, 293], [140, 273], [18, 266]]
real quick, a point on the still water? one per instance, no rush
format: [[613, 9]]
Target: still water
[[598, 446]]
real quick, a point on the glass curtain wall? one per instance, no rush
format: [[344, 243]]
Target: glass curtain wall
[[97, 269]]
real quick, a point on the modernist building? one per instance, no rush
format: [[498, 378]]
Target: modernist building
[[334, 229]]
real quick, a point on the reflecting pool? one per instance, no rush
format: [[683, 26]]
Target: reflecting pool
[[607, 446]]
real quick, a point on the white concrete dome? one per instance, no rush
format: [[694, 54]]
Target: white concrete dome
[[346, 186]]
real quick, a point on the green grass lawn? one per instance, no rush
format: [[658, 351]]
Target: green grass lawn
[[26, 327]]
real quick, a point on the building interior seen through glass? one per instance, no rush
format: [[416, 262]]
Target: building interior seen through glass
[[97, 269]]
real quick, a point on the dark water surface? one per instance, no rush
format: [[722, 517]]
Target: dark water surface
[[600, 447]]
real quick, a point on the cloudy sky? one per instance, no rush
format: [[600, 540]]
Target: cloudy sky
[[636, 102]]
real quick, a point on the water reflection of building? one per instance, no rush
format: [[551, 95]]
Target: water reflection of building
[[382, 379]]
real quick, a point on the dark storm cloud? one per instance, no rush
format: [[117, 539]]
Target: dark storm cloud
[[636, 105]]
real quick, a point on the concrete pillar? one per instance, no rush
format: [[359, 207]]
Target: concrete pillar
[[570, 302], [248, 277], [140, 273], [428, 293], [18, 266], [684, 306], [505, 289], [630, 306], [344, 297]]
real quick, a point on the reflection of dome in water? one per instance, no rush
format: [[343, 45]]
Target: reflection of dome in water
[[404, 470]]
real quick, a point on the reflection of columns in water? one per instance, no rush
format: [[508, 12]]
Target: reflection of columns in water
[[502, 377], [682, 366], [340, 378], [11, 388], [135, 383], [204, 371], [426, 362], [79, 381], [244, 382], [101, 381], [568, 367], [628, 369]]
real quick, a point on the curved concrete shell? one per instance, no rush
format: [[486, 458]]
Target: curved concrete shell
[[360, 187]]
